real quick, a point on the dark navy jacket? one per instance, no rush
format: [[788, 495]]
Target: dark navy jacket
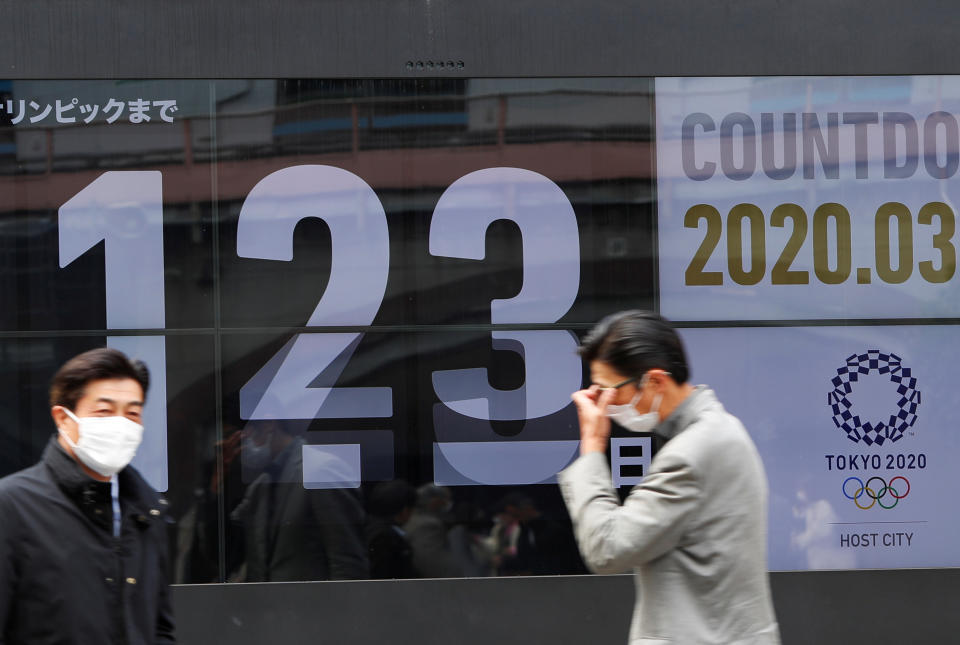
[[64, 577]]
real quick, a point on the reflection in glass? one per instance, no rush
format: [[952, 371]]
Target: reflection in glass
[[300, 439]]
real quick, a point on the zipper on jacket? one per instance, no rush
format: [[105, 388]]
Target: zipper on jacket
[[121, 591]]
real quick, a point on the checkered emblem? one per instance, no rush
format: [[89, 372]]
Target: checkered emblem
[[874, 432]]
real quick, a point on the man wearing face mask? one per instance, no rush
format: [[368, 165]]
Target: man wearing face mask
[[694, 530], [83, 544]]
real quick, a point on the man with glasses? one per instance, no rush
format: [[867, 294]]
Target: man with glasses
[[694, 530]]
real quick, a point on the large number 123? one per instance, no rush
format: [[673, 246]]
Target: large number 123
[[286, 387]]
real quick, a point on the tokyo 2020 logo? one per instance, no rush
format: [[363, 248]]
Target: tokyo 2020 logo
[[874, 431]]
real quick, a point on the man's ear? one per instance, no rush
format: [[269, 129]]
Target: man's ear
[[58, 415], [660, 378]]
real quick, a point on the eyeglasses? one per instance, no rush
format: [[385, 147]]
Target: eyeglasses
[[618, 385]]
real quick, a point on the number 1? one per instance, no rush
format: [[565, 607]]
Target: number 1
[[124, 209]]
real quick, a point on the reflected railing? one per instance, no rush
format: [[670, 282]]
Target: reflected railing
[[333, 126]]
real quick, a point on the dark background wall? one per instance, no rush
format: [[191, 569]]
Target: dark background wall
[[377, 38]]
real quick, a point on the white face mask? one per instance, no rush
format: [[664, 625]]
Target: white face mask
[[253, 456], [628, 417], [105, 445]]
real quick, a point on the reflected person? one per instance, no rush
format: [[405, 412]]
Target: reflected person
[[695, 529], [511, 539], [428, 532], [390, 506], [528, 542], [291, 532], [83, 546]]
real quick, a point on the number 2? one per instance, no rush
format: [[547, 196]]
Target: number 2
[[695, 275], [781, 273], [358, 278]]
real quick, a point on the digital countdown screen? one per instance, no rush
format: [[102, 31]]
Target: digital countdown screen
[[388, 280]]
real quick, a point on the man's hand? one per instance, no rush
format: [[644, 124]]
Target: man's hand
[[594, 423]]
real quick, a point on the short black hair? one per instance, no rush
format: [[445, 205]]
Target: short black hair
[[389, 498], [71, 379], [634, 342]]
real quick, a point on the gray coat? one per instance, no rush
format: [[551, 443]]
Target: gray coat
[[694, 531]]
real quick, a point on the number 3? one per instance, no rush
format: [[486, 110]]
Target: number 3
[[551, 280]]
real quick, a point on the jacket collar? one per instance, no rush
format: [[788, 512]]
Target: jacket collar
[[702, 398], [69, 475], [84, 489]]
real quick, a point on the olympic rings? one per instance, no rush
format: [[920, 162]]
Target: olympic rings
[[905, 482], [876, 494]]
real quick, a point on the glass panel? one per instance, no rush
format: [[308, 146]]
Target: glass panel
[[353, 290], [106, 238], [402, 271]]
